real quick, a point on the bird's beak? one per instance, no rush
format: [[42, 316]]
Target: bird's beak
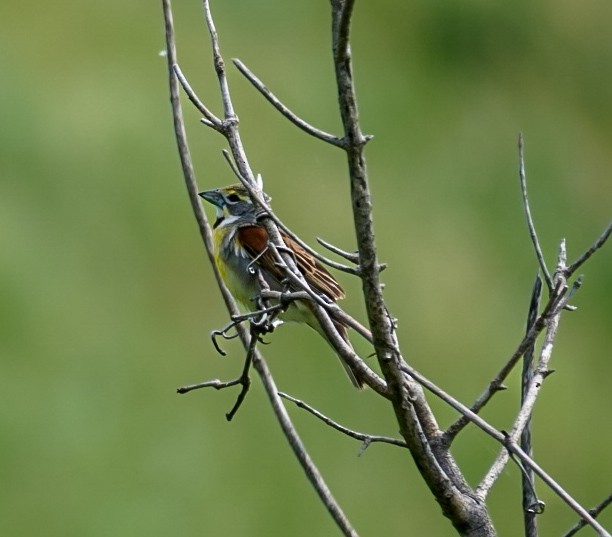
[[212, 196]]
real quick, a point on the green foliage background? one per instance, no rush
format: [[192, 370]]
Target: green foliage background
[[107, 299]]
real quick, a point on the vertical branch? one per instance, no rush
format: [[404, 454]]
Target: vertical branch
[[230, 131], [354, 142], [529, 498], [312, 473], [540, 373], [530, 224], [187, 165], [415, 418], [230, 123]]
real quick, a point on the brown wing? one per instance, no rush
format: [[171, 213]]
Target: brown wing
[[255, 241], [314, 273]]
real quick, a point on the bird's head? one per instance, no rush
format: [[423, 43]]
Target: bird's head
[[232, 202]]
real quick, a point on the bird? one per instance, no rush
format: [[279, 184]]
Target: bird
[[241, 242]]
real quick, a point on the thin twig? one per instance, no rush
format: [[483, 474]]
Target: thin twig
[[284, 110], [367, 439], [219, 63], [540, 373], [556, 302], [594, 512], [496, 384], [349, 256], [244, 380], [509, 445], [187, 165], [530, 499], [532, 231], [230, 122], [211, 120], [301, 454], [586, 255], [214, 383]]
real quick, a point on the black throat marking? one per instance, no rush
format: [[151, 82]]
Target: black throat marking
[[218, 221]]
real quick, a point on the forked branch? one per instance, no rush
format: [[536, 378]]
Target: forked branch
[[402, 384]]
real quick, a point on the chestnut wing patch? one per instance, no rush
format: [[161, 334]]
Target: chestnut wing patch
[[255, 241], [314, 273]]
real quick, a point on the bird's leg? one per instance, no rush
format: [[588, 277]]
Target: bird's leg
[[267, 313]]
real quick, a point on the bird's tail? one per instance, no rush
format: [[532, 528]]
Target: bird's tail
[[352, 375]]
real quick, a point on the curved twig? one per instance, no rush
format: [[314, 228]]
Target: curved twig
[[210, 119], [601, 240], [301, 454], [367, 439], [276, 103], [594, 512], [530, 224]]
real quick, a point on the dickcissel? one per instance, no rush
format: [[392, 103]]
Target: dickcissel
[[241, 243]]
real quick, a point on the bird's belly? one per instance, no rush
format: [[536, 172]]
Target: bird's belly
[[239, 280]]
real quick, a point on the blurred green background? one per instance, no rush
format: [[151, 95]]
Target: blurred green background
[[108, 299]]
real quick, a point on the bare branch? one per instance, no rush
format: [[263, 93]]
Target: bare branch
[[571, 502], [187, 165], [509, 445], [214, 383], [349, 256], [415, 418], [219, 63], [530, 499], [275, 101], [230, 123], [556, 302], [496, 384], [301, 454], [540, 373], [382, 328], [244, 380], [594, 512], [367, 439], [586, 255], [532, 231], [210, 119]]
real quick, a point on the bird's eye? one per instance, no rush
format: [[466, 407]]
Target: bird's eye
[[234, 198]]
